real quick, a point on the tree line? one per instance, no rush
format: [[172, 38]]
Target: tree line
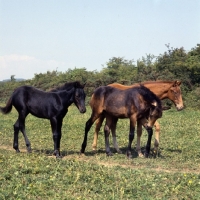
[[173, 64]]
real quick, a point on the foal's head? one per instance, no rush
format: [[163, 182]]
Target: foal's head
[[153, 103], [174, 95], [79, 97], [79, 94], [154, 113]]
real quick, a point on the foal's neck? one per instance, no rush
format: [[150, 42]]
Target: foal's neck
[[67, 96], [159, 89]]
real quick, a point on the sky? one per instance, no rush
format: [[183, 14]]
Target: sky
[[37, 36]]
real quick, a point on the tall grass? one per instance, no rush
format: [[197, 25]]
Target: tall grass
[[174, 174]]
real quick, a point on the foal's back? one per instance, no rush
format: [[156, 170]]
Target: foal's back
[[39, 103], [122, 103], [25, 94]]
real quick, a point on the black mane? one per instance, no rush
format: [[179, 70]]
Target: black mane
[[149, 95]]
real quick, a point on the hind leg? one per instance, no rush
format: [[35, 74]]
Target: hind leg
[[20, 126], [88, 125], [107, 133], [22, 129], [16, 134], [113, 130], [27, 142], [96, 133]]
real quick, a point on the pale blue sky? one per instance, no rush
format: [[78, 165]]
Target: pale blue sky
[[41, 35]]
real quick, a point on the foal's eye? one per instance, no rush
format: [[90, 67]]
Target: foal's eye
[[175, 92]]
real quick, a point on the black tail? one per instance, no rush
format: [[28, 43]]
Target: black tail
[[7, 108]]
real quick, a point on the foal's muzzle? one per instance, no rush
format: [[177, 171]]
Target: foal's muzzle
[[82, 109], [179, 108]]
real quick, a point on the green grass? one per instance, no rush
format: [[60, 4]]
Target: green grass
[[174, 174]]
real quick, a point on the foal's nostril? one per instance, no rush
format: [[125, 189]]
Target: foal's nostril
[[82, 110], [180, 108]]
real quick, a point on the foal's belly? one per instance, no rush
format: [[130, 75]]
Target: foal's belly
[[118, 112]]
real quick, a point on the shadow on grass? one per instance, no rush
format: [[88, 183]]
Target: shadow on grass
[[174, 150], [49, 152], [92, 153]]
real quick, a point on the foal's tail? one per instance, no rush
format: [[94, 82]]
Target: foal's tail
[[7, 108]]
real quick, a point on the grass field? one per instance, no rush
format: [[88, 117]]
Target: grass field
[[174, 174]]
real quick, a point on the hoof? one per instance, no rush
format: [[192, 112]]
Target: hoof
[[119, 151], [140, 155], [94, 148], [155, 152], [82, 151], [129, 156], [109, 154], [81, 154], [58, 156], [17, 151], [146, 155], [29, 150], [56, 153]]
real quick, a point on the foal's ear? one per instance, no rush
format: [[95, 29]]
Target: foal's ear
[[177, 83], [77, 84], [84, 85], [154, 103]]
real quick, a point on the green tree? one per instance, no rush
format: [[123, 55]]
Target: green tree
[[146, 69], [119, 70], [174, 62], [12, 77], [193, 63]]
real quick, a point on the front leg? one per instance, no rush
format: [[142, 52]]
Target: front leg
[[148, 146], [56, 137], [113, 130], [96, 133], [140, 122], [157, 136], [131, 135], [107, 144], [139, 133]]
